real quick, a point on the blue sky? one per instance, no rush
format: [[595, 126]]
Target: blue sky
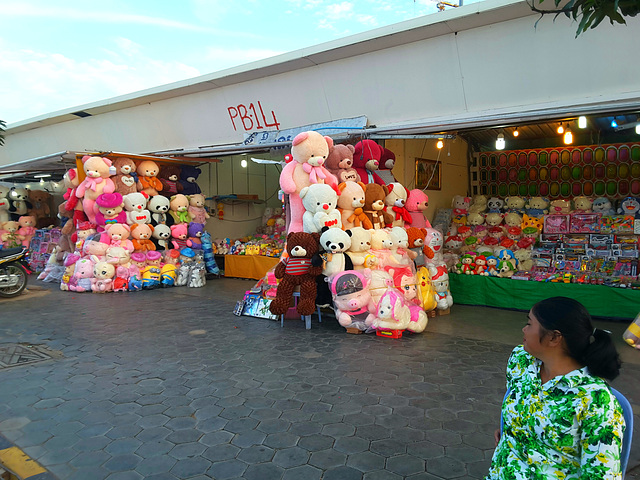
[[58, 54]]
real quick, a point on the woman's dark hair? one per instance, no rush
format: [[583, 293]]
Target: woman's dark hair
[[591, 347]]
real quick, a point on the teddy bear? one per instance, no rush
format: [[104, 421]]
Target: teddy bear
[[335, 242], [19, 204], [513, 219], [188, 176], [320, 202], [359, 252], [141, 237], [159, 207], [148, 181], [416, 238], [9, 234], [179, 234], [27, 229], [82, 275], [374, 197], [395, 202], [117, 235], [103, 273], [169, 176], [126, 178], [179, 208], [300, 268], [400, 245], [392, 312], [354, 307], [474, 220], [366, 160], [340, 163], [4, 204], [381, 243], [603, 206], [116, 255], [40, 207], [440, 279], [196, 208], [387, 160], [523, 256], [96, 182], [162, 236], [305, 166], [351, 205], [514, 204], [417, 203], [135, 205], [582, 204], [195, 231], [560, 206], [493, 219], [478, 204], [495, 205], [537, 207], [109, 209]]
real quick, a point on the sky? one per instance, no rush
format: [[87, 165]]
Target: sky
[[58, 54]]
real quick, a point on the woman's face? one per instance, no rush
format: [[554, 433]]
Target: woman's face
[[532, 334]]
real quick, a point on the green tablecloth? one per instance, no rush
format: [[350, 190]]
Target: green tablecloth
[[601, 301]]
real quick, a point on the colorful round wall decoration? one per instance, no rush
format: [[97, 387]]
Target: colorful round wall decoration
[[611, 170]]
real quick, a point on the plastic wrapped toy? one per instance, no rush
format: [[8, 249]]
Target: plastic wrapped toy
[[632, 333], [354, 307]]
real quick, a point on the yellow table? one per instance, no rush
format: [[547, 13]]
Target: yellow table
[[248, 266]]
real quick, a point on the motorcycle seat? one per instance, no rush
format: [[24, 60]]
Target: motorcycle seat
[[7, 252]]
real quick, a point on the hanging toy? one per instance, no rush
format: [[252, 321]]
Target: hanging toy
[[220, 211]]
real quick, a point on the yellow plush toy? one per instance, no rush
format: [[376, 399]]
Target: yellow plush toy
[[426, 292]]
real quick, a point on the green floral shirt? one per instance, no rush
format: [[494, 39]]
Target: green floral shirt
[[569, 428]]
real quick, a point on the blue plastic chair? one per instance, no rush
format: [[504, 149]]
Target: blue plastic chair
[[627, 412]]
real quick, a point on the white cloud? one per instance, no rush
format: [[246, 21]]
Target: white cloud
[[368, 20], [339, 11]]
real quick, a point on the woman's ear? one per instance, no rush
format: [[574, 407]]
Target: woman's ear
[[555, 338]]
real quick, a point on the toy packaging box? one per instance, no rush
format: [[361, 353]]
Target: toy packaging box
[[556, 223], [254, 305], [584, 223], [617, 224]]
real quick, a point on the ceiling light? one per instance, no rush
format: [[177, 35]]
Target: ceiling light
[[638, 129], [568, 137], [42, 175], [440, 144], [243, 163], [582, 122], [560, 129], [42, 181], [500, 143], [516, 132], [614, 124]]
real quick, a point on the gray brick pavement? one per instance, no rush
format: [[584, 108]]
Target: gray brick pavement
[[135, 395]]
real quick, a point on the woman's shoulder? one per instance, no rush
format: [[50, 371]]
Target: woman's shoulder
[[519, 362]]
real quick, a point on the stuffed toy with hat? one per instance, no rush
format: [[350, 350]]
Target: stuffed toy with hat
[[126, 177], [97, 181], [135, 205], [440, 279], [351, 205], [19, 204], [320, 202], [197, 209], [148, 181], [300, 268], [83, 231], [417, 203], [109, 209], [159, 207], [179, 208], [340, 163], [141, 237], [354, 307], [188, 176], [169, 176], [374, 197], [305, 166], [395, 202], [366, 160]]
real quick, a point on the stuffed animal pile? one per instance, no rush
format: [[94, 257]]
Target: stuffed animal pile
[[360, 238]]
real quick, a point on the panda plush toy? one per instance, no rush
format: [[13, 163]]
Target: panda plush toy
[[334, 242]]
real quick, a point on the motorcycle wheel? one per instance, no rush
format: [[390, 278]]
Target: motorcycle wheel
[[15, 271]]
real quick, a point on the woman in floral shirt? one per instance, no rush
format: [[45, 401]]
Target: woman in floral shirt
[[561, 421]]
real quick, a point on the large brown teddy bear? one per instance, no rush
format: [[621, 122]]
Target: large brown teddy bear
[[374, 196], [125, 178], [41, 208], [340, 163], [301, 268], [170, 178]]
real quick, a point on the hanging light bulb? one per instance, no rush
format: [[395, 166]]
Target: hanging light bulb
[[500, 143], [440, 144], [243, 163], [614, 124], [638, 129], [516, 132], [560, 129], [41, 181], [582, 122], [568, 137]]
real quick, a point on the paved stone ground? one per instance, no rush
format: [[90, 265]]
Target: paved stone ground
[[137, 392]]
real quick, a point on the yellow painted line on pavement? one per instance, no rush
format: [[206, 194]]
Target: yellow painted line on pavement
[[20, 463]]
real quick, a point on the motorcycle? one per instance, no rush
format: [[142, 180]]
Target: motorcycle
[[14, 266]]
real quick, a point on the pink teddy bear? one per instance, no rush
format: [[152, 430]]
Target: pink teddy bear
[[179, 234], [27, 228], [305, 166], [417, 203], [97, 181]]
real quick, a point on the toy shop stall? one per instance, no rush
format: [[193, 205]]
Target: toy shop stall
[[541, 222]]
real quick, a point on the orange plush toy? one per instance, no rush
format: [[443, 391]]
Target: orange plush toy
[[148, 181], [141, 234]]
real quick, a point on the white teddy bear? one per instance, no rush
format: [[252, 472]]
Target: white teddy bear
[[320, 201]]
